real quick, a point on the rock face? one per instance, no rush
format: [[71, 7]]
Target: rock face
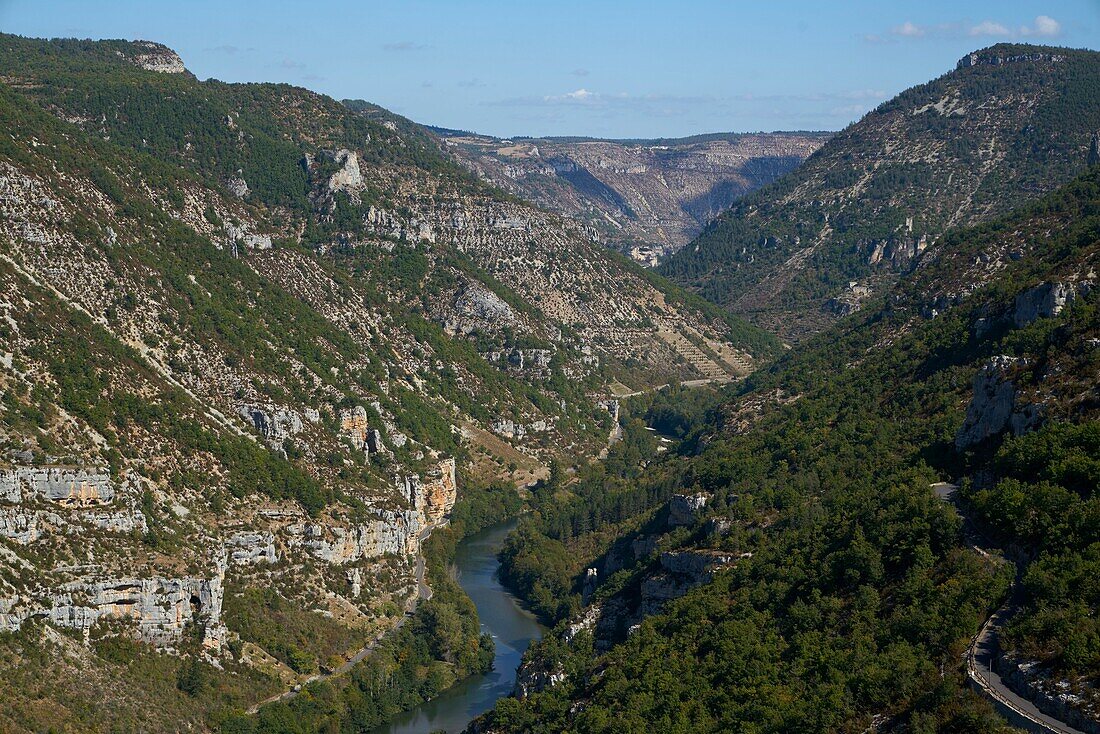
[[531, 679], [435, 496], [157, 57], [685, 509], [65, 486], [20, 527], [160, 607], [354, 426], [1045, 300], [238, 186], [392, 532], [479, 309], [993, 58], [1051, 696], [275, 425], [992, 408], [249, 547], [660, 192], [348, 178], [680, 572]]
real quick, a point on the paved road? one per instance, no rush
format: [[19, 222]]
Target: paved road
[[983, 650], [424, 592]]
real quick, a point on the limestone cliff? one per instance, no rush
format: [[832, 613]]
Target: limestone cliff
[[647, 198]]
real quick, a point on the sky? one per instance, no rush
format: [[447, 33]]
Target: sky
[[601, 68]]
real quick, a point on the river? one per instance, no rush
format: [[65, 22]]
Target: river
[[512, 627]]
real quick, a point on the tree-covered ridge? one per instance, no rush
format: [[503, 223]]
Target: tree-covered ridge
[[259, 131], [283, 149], [958, 150], [852, 593]]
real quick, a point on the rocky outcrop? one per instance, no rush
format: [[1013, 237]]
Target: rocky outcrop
[[434, 496], [591, 581], [239, 235], [354, 426], [348, 178], [392, 532], [990, 57], [479, 309], [1050, 695], [157, 57], [993, 408], [276, 425], [18, 525], [532, 678], [121, 521], [1046, 300], [63, 485], [520, 360], [695, 564], [509, 428], [685, 509], [237, 185], [160, 607], [250, 547]]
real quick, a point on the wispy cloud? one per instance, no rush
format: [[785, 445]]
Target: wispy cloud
[[908, 29], [1043, 26], [579, 72], [404, 46], [989, 28]]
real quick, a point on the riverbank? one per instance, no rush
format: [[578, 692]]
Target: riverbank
[[511, 627]]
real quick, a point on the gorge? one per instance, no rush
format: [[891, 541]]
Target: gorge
[[317, 419]]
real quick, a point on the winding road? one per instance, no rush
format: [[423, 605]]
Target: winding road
[[423, 593], [984, 648]]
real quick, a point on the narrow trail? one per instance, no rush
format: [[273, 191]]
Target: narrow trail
[[423, 593], [984, 648]]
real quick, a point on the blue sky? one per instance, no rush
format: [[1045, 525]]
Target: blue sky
[[613, 69]]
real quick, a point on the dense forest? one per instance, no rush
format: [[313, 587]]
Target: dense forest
[[855, 592]]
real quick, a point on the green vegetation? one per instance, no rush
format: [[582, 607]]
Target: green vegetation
[[853, 593], [857, 194], [440, 645]]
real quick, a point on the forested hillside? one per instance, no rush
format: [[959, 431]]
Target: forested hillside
[[1011, 123], [254, 345], [790, 568]]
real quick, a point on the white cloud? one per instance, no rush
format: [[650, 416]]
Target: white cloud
[[1044, 26], [908, 29], [989, 28], [582, 96]]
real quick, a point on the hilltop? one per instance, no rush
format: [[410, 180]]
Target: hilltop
[[1009, 124]]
